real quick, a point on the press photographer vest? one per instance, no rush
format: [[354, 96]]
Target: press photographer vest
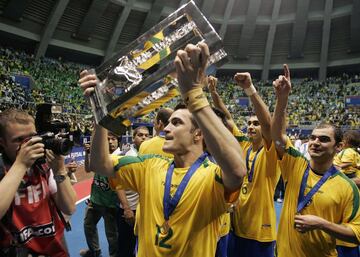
[[32, 220]]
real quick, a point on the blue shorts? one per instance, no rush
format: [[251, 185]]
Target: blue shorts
[[242, 247], [222, 246], [344, 251], [136, 246]]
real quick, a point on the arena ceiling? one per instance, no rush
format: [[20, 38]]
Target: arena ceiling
[[259, 35]]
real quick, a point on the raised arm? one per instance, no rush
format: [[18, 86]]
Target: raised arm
[[191, 66], [87, 158], [282, 87], [100, 159], [218, 102], [261, 109]]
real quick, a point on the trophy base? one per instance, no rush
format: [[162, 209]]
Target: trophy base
[[113, 125]]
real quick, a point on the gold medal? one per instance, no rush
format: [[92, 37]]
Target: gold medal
[[165, 227], [244, 189]]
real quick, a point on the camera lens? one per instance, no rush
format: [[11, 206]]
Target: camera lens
[[60, 146]]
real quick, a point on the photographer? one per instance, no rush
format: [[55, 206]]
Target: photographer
[[32, 193]]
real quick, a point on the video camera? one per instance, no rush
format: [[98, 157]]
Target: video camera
[[45, 122], [54, 133]]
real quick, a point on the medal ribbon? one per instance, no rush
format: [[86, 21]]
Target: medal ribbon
[[303, 200], [251, 172], [169, 202]]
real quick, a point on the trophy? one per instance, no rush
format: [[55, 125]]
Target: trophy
[[141, 77]]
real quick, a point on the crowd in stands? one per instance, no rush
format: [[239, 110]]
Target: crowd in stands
[[202, 215], [12, 94], [55, 81], [311, 101]]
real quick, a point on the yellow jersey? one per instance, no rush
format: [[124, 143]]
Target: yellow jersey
[[346, 244], [154, 146], [194, 225], [225, 224], [337, 201], [348, 155], [225, 219], [151, 146], [256, 200]]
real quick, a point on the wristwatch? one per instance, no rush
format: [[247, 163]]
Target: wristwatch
[[59, 178]]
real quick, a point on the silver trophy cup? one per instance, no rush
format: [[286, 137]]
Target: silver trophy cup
[[141, 76]]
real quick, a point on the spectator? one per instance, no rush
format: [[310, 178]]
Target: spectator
[[128, 203], [102, 204]]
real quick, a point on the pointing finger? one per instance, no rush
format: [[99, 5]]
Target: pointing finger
[[287, 72]]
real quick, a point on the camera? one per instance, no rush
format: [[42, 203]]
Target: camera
[[45, 122], [54, 133], [59, 145]]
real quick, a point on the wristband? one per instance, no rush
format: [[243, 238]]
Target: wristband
[[250, 90], [195, 99], [60, 178]]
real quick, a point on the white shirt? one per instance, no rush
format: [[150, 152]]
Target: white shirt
[[297, 144], [304, 150], [131, 196]]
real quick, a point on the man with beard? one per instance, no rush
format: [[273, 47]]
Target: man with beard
[[321, 204]]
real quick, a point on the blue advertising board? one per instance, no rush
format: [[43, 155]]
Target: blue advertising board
[[77, 154], [352, 101], [243, 101]]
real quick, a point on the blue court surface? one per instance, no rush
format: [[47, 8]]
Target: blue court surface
[[76, 238]]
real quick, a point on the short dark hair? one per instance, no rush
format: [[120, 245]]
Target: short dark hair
[[163, 115], [352, 138], [180, 106], [110, 133], [136, 130], [338, 135], [14, 116]]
